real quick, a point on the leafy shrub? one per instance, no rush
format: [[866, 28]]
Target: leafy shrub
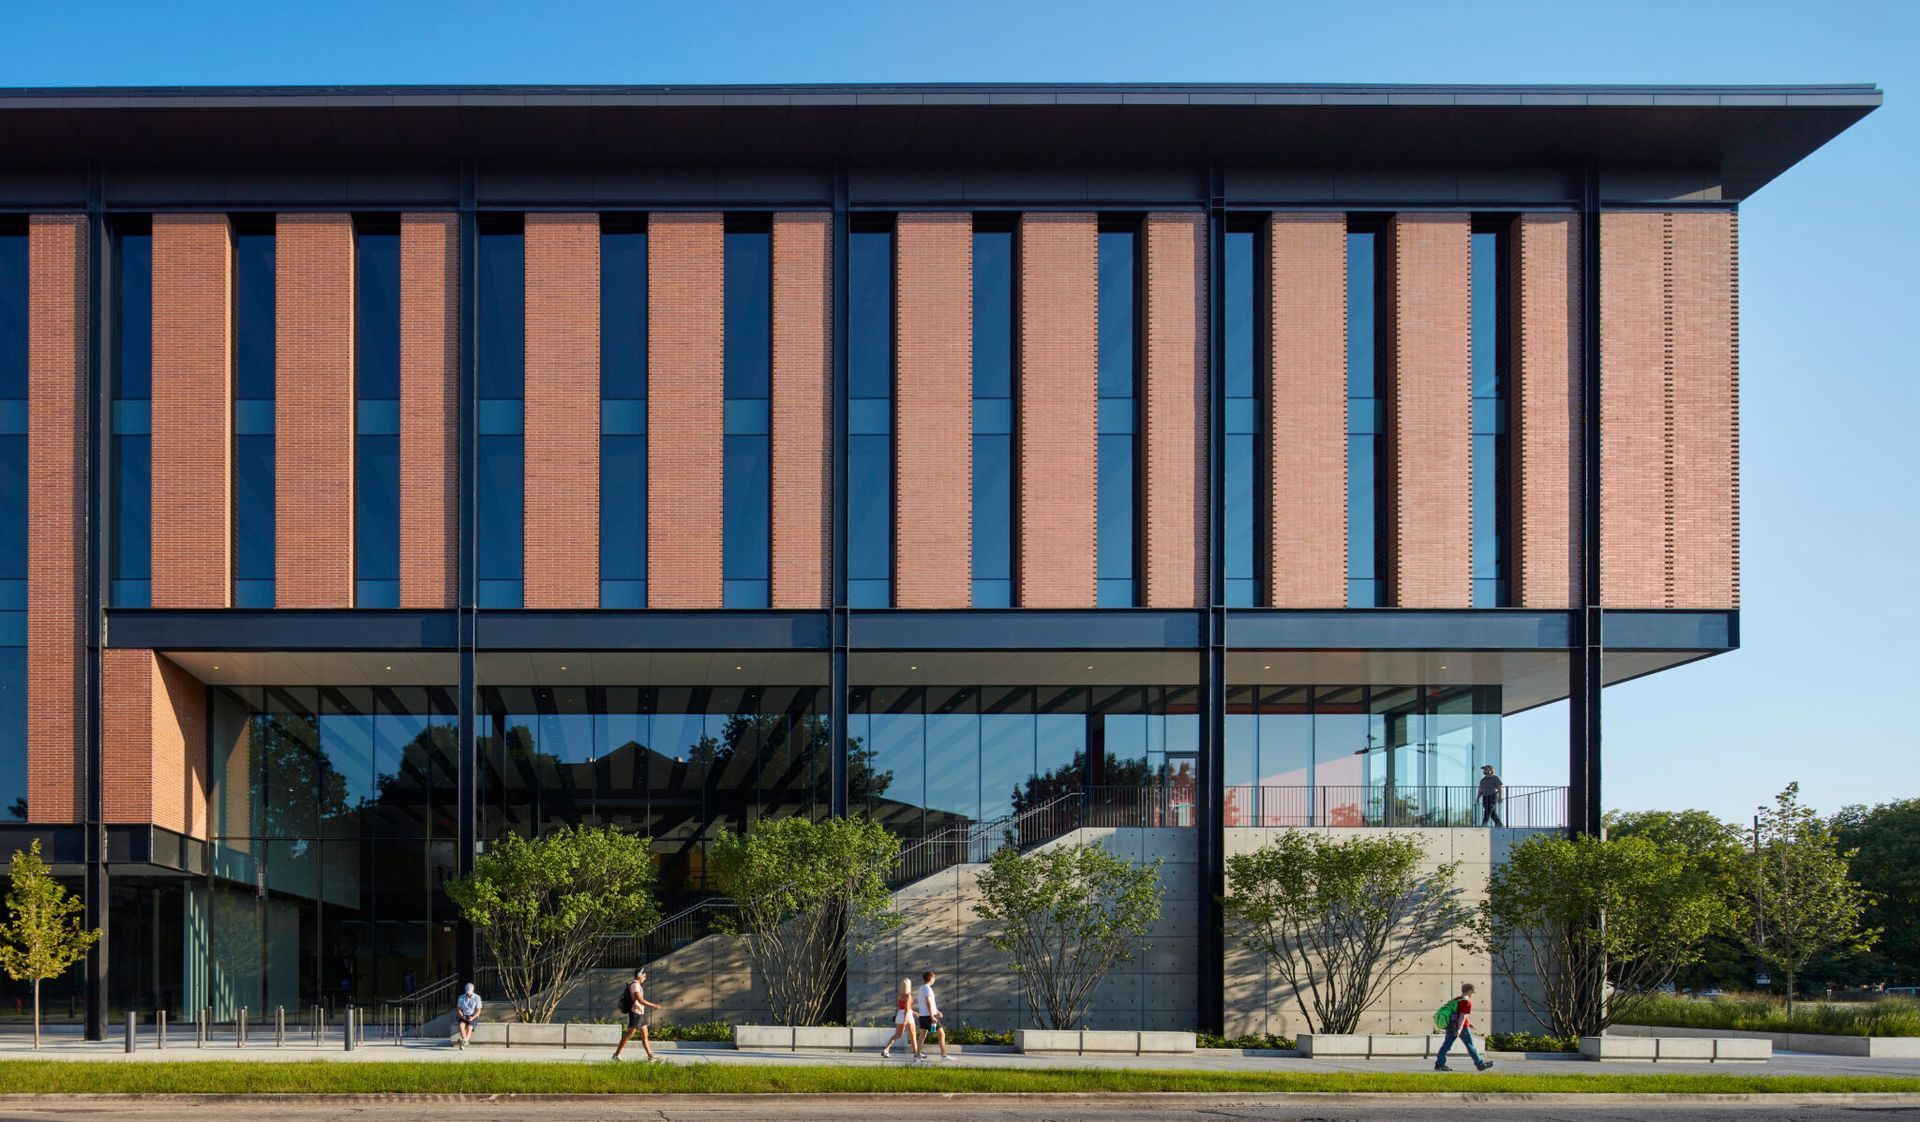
[[1266, 1040], [1531, 1042], [1889, 1016], [973, 1034], [711, 1032]]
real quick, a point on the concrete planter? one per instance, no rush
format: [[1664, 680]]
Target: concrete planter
[[1875, 1047], [1360, 1046], [1094, 1042], [823, 1039], [763, 1037], [1675, 1049]]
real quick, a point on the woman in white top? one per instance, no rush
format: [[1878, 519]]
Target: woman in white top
[[903, 1021]]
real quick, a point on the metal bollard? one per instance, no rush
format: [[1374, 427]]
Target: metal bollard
[[240, 1029], [131, 1018], [279, 1025], [200, 1028], [160, 1029], [346, 1034]]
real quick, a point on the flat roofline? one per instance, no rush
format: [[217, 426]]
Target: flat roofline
[[1863, 95]]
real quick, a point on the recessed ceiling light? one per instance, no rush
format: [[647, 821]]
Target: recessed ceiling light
[[563, 668], [913, 668], [739, 668], [216, 666], [389, 668], [1089, 666], [1266, 668]]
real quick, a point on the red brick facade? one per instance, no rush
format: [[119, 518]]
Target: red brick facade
[[933, 411], [192, 411], [562, 492], [1429, 412], [1545, 410], [802, 411], [1055, 402], [685, 399], [429, 409], [1307, 411], [153, 743], [1705, 403], [57, 322], [1176, 414], [313, 411]]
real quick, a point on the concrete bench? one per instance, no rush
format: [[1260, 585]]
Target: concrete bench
[[1093, 1042], [1363, 1046], [1675, 1049]]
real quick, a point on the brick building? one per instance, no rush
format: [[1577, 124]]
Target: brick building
[[392, 469]]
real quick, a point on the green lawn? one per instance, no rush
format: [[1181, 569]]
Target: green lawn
[[496, 1077]]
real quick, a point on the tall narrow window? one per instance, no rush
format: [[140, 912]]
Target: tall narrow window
[[1489, 287], [13, 519], [502, 445], [870, 418], [1243, 490], [253, 366], [131, 558], [1115, 542], [1366, 423], [745, 555], [376, 408], [992, 415], [623, 411]]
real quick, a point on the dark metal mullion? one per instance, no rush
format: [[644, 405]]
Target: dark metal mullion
[[1584, 667], [465, 494], [837, 676], [1210, 767], [97, 423]]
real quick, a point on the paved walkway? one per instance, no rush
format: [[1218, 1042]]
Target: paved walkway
[[181, 1049]]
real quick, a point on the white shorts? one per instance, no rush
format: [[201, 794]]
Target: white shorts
[[900, 1016]]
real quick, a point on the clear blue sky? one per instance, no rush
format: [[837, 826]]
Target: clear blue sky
[[1830, 385]]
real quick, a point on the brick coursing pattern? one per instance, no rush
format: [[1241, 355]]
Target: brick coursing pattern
[[685, 397], [802, 411], [1176, 411], [1429, 412], [933, 411], [1307, 410], [562, 418], [313, 410], [153, 734], [1545, 410], [1669, 405], [429, 432], [57, 319], [1055, 401], [192, 411]]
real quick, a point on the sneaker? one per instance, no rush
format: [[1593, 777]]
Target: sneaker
[[886, 1053], [919, 1058], [1441, 1067], [949, 1057], [1484, 1066]]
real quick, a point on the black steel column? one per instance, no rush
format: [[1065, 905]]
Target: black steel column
[[837, 672], [1584, 666], [468, 383], [95, 422], [1211, 827]]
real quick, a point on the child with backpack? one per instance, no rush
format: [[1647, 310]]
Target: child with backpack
[[1451, 1019]]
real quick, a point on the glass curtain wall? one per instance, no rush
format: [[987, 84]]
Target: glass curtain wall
[[13, 519], [993, 363], [1245, 491], [1491, 292], [253, 410], [502, 442], [1366, 421], [623, 411], [376, 407], [1116, 548], [870, 414], [130, 561], [746, 558]]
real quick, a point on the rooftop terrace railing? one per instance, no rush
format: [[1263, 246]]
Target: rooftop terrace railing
[[1407, 807]]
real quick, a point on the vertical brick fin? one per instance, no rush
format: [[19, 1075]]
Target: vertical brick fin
[[1057, 396], [313, 411], [1703, 424], [153, 735], [1176, 411], [1632, 410], [57, 324], [562, 504], [1733, 309], [933, 411], [802, 410], [429, 410], [1307, 411], [192, 411], [1429, 412], [685, 397], [1545, 411]]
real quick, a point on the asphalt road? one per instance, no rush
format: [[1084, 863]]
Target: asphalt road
[[1051, 1108]]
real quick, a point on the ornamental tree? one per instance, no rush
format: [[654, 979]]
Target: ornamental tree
[[1802, 900], [43, 935], [544, 905], [1066, 916], [806, 895], [1340, 921]]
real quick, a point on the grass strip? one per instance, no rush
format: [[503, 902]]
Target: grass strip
[[319, 1077]]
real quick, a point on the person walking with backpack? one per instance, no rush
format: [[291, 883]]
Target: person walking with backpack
[[634, 1003], [466, 1010], [1452, 1018]]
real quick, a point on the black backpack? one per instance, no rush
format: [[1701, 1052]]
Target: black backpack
[[626, 998]]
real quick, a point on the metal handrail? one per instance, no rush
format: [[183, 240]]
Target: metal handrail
[[1391, 806]]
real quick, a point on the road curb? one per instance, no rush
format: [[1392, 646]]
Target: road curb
[[1452, 1098]]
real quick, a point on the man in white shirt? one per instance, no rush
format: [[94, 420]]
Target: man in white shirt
[[931, 1019]]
